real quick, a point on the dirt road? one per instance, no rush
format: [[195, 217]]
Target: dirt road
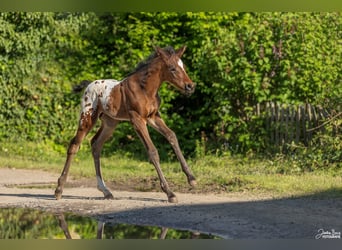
[[237, 216]]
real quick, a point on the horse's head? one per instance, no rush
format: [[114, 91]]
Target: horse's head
[[174, 72]]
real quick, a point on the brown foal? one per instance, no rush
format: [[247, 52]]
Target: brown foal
[[133, 99]]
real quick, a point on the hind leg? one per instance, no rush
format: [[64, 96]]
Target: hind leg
[[85, 126], [103, 134]]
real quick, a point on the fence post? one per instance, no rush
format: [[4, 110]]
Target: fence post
[[298, 115]]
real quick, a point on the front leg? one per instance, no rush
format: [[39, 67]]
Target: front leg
[[140, 127], [157, 123]]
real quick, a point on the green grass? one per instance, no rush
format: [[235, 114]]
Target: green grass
[[223, 174]]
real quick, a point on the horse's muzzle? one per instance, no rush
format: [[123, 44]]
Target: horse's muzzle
[[189, 88]]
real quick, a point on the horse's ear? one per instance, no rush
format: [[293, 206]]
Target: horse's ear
[[160, 52], [180, 51]]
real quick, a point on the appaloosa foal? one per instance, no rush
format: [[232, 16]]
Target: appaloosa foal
[[133, 99]]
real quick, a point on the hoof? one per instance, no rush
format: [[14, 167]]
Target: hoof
[[58, 195], [109, 197], [193, 183], [173, 199]]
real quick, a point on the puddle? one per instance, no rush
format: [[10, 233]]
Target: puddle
[[22, 223]]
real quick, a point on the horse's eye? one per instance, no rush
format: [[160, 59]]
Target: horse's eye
[[172, 69]]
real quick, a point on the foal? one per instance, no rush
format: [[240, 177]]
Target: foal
[[133, 99]]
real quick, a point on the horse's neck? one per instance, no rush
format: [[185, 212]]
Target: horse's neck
[[150, 79]]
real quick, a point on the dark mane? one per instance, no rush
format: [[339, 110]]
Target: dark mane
[[143, 64]]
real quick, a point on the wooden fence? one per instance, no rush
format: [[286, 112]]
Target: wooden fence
[[296, 123]]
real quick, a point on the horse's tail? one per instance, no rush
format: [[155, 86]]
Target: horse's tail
[[83, 84]]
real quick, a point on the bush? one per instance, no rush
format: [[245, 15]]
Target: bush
[[258, 57]]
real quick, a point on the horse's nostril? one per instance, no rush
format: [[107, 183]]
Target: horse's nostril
[[188, 86]]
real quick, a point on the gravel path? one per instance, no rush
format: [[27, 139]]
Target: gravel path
[[237, 216]]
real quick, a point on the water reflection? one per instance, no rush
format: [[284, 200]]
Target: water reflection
[[16, 223], [107, 230]]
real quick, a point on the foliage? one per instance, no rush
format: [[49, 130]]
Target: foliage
[[324, 154], [33, 86], [286, 57], [237, 60]]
